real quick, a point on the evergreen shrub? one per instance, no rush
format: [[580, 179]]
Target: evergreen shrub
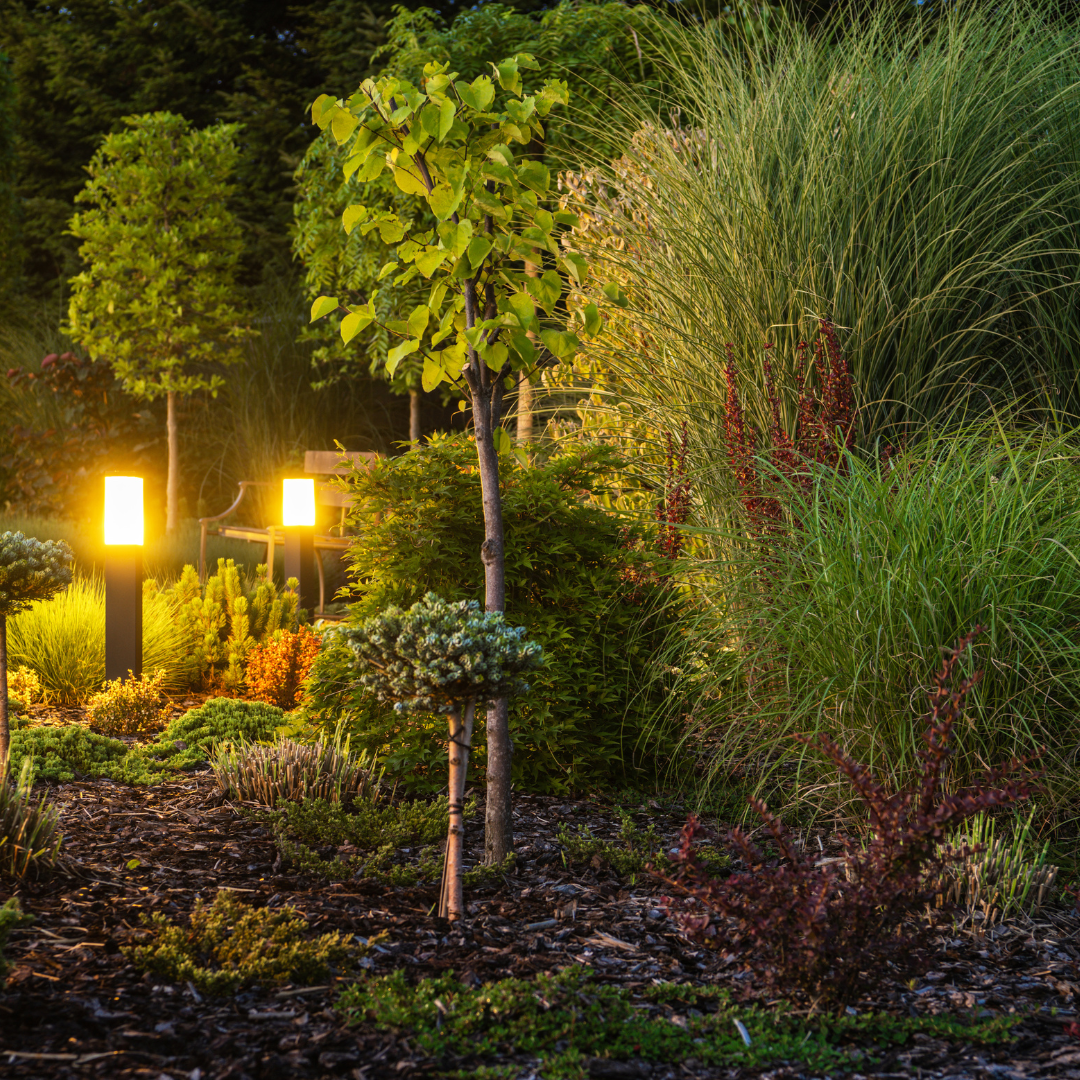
[[222, 621], [62, 753], [230, 943], [579, 581], [188, 739], [278, 666]]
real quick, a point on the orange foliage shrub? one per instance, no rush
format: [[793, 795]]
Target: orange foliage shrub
[[277, 668]]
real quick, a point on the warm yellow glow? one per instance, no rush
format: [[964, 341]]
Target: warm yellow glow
[[123, 510], [298, 502]]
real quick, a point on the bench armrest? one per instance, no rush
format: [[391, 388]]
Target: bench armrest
[[204, 522]]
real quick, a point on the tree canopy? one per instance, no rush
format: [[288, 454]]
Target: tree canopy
[[157, 298]]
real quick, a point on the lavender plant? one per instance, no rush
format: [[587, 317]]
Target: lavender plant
[[443, 657]]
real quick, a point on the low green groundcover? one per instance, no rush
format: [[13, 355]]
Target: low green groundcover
[[565, 1018], [62, 753]]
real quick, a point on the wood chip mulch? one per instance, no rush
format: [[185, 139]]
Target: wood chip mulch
[[75, 1007]]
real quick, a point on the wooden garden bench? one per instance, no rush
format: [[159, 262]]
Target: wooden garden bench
[[316, 463]]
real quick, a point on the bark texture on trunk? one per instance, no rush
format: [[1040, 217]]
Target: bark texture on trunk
[[498, 808], [5, 729], [452, 896], [486, 389], [414, 416], [524, 387], [524, 409], [172, 486]]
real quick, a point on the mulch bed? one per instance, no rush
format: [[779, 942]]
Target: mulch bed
[[75, 1007]]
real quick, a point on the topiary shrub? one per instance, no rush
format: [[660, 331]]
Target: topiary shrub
[[440, 657], [29, 570], [578, 580], [278, 666]]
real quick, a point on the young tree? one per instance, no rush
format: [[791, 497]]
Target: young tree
[[599, 48], [157, 299], [451, 143], [443, 657], [29, 570]]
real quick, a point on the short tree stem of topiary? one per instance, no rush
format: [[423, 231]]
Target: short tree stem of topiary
[[442, 658], [452, 896]]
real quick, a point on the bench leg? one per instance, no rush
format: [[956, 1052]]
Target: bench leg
[[270, 541], [322, 580]]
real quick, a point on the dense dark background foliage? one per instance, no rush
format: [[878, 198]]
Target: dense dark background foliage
[[582, 585]]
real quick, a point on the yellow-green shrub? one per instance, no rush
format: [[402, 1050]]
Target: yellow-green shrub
[[130, 707]]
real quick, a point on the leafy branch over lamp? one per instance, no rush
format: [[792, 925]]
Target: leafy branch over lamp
[[441, 657], [30, 570]]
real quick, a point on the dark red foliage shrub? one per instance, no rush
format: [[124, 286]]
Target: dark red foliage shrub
[[824, 423], [825, 927], [98, 429], [673, 510]]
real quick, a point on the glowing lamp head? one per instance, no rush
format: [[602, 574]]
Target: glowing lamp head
[[298, 502], [123, 510]]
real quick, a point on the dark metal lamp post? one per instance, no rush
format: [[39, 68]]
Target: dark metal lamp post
[[123, 576], [298, 517]]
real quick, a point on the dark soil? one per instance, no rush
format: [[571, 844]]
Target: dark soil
[[75, 1007]]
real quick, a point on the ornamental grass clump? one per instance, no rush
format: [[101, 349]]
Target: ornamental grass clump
[[29, 837], [995, 875], [440, 657], [29, 570], [291, 771], [822, 930]]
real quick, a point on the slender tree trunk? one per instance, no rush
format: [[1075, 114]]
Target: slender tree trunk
[[452, 898], [414, 416], [524, 409], [172, 486], [485, 386], [525, 390], [498, 807], [5, 729]]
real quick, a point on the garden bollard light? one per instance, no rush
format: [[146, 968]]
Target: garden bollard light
[[123, 576], [298, 517]]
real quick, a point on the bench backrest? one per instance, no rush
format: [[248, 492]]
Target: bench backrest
[[335, 463]]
